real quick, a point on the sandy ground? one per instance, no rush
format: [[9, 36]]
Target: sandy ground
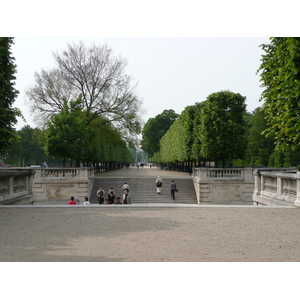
[[149, 234]]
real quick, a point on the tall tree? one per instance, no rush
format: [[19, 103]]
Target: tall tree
[[222, 128], [154, 130], [8, 94], [99, 77], [260, 147], [280, 76], [66, 135]]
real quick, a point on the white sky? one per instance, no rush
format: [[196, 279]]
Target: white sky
[[172, 73], [178, 52]]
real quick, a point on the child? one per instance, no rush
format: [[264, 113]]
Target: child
[[86, 201]]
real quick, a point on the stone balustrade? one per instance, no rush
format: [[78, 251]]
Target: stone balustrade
[[276, 187], [16, 186], [57, 185], [224, 185]]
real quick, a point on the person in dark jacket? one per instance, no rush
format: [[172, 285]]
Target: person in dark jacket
[[173, 189]]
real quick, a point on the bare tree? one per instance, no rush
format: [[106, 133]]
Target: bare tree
[[95, 74]]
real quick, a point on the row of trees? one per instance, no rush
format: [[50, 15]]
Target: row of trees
[[182, 143], [213, 130], [269, 136], [34, 146]]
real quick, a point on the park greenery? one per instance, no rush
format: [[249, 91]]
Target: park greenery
[[88, 114], [181, 146], [280, 77], [86, 108], [8, 94], [213, 130]]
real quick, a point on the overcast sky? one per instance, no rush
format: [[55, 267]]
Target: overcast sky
[[179, 52], [171, 73]]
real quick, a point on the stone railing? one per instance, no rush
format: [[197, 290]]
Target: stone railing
[[222, 173], [57, 185], [224, 185], [16, 186], [276, 187]]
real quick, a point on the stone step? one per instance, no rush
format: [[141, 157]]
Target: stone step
[[143, 190]]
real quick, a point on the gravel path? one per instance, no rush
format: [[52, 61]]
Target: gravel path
[[149, 234]]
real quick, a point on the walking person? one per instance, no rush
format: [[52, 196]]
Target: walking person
[[158, 183], [125, 187], [100, 193], [126, 197], [173, 189]]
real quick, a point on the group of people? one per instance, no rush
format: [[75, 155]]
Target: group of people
[[73, 202], [126, 198], [111, 197], [159, 184]]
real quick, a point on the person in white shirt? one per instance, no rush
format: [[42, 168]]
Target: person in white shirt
[[125, 187], [86, 201], [158, 183]]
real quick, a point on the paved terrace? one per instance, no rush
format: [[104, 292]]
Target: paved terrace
[[149, 233], [133, 172]]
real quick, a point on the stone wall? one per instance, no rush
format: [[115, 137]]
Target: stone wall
[[276, 187], [16, 186], [57, 185]]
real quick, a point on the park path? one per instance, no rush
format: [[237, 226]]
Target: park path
[[153, 172], [108, 233]]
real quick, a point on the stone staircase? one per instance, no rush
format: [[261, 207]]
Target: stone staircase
[[143, 190]]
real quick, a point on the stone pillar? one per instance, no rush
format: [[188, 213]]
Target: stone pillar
[[257, 182], [11, 185], [248, 174], [279, 186], [297, 202]]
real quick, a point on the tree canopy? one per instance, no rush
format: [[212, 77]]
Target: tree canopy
[[280, 77], [213, 130], [154, 130], [66, 134], [222, 127], [99, 77], [8, 94]]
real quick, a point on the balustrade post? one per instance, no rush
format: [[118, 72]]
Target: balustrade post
[[297, 202], [257, 182], [279, 186], [11, 185]]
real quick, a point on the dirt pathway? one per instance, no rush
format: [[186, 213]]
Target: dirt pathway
[[149, 234]]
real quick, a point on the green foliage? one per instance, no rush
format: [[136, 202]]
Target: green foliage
[[222, 128], [27, 148], [260, 147], [154, 130], [212, 130], [106, 90], [176, 144], [67, 135], [106, 144], [8, 94], [196, 145], [280, 76]]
